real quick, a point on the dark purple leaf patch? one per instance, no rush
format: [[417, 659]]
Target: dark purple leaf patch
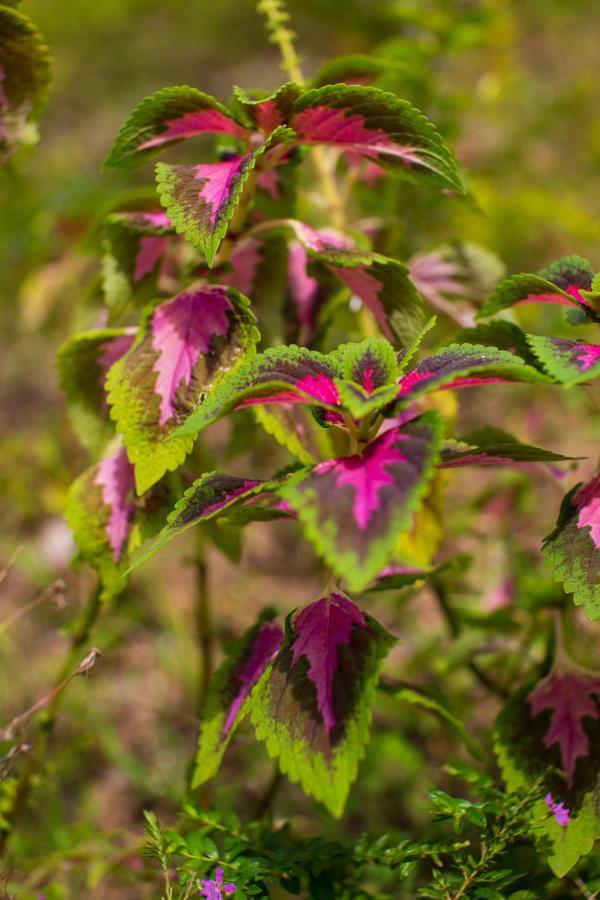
[[571, 695]]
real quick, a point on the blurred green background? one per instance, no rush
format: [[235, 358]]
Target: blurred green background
[[514, 87]]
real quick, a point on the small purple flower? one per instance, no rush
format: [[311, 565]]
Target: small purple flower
[[559, 811], [214, 889]]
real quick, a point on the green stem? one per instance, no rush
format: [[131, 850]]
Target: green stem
[[283, 37], [79, 637]]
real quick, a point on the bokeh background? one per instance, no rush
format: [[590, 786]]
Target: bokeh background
[[514, 87]]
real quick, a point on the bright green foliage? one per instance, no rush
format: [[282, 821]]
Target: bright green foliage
[[375, 358], [296, 429]]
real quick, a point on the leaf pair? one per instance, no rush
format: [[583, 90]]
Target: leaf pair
[[312, 692], [357, 379], [569, 281], [201, 200], [566, 361]]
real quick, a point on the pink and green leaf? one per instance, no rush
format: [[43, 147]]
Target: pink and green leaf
[[569, 362], [493, 447], [100, 511], [185, 349], [460, 270], [572, 550], [382, 284], [211, 496], [83, 363], [280, 375], [257, 267], [228, 698], [561, 282], [312, 706], [370, 372], [136, 245], [465, 365], [25, 76], [353, 508], [201, 200], [305, 295], [381, 128], [265, 114], [167, 117]]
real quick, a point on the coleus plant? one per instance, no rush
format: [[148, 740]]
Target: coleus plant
[[188, 287]]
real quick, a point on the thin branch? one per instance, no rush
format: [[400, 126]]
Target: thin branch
[[55, 592], [6, 762], [19, 723], [10, 562], [79, 637]]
